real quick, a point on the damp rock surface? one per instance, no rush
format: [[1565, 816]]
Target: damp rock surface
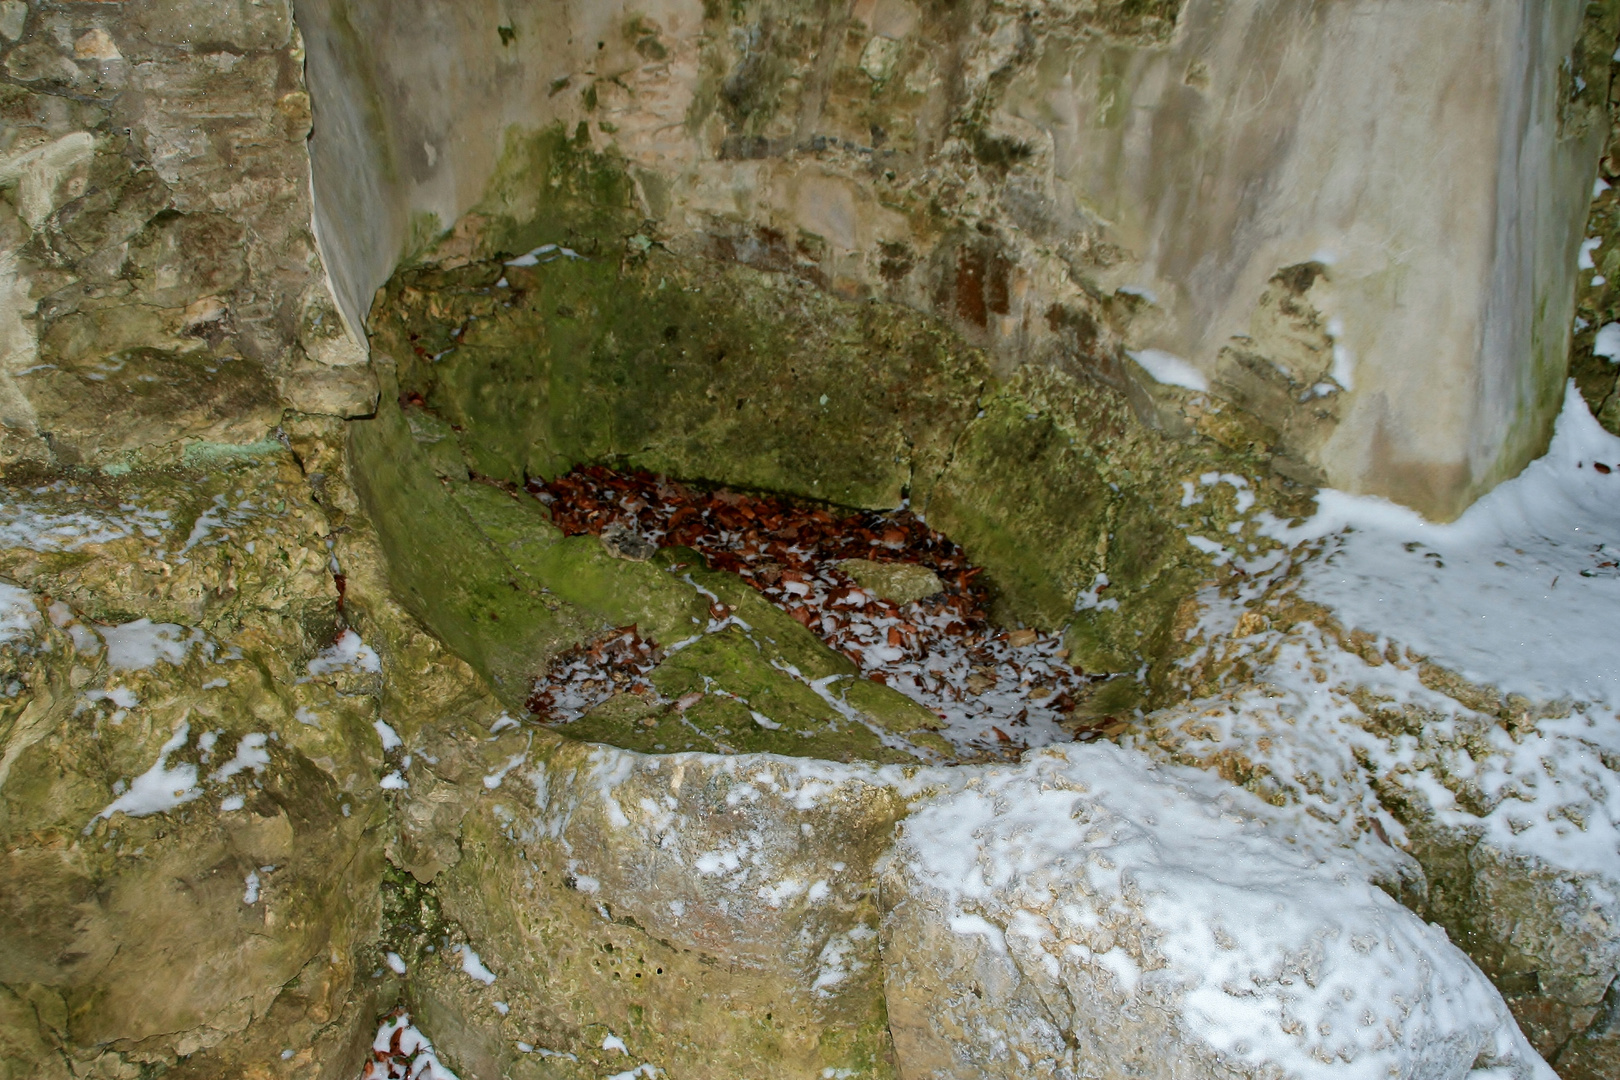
[[276, 592]]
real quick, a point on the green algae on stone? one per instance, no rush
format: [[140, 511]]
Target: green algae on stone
[[551, 187], [1058, 483], [706, 370], [729, 374], [488, 571], [682, 370], [447, 572], [578, 570]]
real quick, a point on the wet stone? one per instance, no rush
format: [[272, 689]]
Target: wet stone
[[829, 633], [900, 582], [625, 543]]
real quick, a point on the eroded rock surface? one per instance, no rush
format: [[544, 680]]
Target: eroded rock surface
[[264, 769], [183, 769], [1181, 193], [157, 258]]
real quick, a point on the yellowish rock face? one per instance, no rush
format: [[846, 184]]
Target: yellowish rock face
[[899, 582]]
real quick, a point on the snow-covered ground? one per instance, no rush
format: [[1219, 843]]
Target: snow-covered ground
[[1521, 593]]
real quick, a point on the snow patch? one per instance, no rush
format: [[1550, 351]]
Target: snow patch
[[159, 788], [1093, 867], [135, 646], [1169, 369], [250, 754], [543, 254], [1518, 593], [474, 967], [19, 617], [349, 651], [1607, 342], [496, 778]]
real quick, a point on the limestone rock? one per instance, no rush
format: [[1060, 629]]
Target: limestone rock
[[349, 391], [899, 582], [260, 774], [1463, 812], [13, 17], [1080, 916], [624, 543], [715, 914], [1029, 182], [162, 276], [174, 795]]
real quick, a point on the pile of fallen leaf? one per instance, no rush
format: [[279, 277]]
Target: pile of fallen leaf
[[997, 692], [401, 1052], [584, 677]]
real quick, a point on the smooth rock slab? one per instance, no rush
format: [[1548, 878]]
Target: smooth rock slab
[[1091, 914]]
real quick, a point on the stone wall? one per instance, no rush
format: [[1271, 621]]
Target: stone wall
[[1358, 221]]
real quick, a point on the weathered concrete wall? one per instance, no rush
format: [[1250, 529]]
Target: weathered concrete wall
[[1358, 221]]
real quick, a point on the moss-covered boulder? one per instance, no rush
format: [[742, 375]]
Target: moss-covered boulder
[[484, 566], [704, 371]]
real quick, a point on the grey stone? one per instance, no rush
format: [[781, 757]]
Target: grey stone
[[900, 582], [13, 17]]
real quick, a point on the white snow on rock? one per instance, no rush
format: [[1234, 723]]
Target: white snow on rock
[[1127, 908], [164, 787], [137, 645], [1524, 801], [19, 617], [644, 1071], [473, 965], [43, 528], [1520, 593], [1607, 342], [1103, 906], [250, 754], [349, 651], [1169, 369], [543, 254], [390, 738], [159, 788], [1307, 726], [401, 1052]]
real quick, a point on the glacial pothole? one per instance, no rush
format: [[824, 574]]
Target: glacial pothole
[[897, 600]]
